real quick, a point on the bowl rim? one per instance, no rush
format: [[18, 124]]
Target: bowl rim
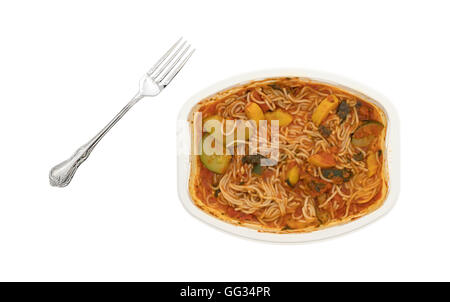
[[392, 147]]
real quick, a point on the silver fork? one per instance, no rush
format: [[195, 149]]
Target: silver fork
[[151, 84]]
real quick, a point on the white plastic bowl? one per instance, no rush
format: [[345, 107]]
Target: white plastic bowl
[[392, 141]]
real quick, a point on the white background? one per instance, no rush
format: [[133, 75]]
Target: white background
[[67, 67]]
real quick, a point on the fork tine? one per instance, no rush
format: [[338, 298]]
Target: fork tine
[[166, 80], [157, 72], [163, 57], [172, 65]]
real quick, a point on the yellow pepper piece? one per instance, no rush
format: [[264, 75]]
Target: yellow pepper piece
[[325, 107], [372, 164], [323, 160], [283, 118], [254, 112]]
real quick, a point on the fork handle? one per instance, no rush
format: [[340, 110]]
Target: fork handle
[[61, 174]]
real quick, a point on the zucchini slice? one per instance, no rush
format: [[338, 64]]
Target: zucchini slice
[[217, 163], [293, 175], [212, 129], [367, 133]]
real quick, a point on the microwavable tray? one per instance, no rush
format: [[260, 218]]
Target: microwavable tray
[[368, 94]]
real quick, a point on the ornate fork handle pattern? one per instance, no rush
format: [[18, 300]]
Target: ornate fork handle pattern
[[153, 82], [61, 174]]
